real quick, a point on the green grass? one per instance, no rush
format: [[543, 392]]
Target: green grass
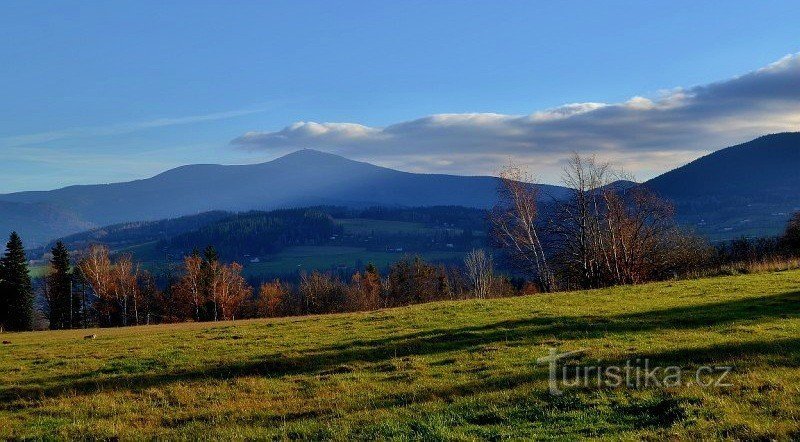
[[38, 271], [451, 370], [326, 257]]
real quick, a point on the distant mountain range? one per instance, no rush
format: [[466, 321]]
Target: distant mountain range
[[303, 178], [746, 190], [749, 189]]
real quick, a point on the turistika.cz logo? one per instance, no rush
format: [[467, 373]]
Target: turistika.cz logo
[[637, 373]]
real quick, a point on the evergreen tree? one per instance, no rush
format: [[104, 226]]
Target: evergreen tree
[[791, 238], [64, 308], [16, 290], [210, 254], [80, 299]]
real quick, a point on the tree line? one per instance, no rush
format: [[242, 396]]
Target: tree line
[[100, 289], [602, 235], [605, 234]]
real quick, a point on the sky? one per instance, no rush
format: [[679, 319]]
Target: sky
[[97, 92]]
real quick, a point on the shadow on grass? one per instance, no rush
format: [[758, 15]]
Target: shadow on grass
[[529, 330]]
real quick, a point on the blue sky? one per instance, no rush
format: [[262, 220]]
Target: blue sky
[[96, 91]]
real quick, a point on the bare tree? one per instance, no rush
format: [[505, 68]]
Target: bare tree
[[577, 222], [607, 235], [480, 272], [114, 283], [514, 225], [125, 288], [96, 269]]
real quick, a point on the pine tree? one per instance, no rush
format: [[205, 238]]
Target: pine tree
[[791, 238], [16, 290], [64, 308], [210, 254], [80, 292]]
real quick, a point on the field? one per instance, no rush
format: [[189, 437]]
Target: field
[[308, 258], [451, 370]]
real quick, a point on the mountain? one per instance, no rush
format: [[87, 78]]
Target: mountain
[[303, 178], [749, 189], [37, 222], [746, 190]]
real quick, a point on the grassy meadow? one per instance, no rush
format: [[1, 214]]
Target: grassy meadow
[[461, 370]]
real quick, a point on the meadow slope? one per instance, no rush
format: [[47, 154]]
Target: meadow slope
[[448, 370]]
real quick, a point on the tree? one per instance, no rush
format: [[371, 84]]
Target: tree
[[322, 293], [480, 272], [96, 268], [80, 288], [273, 299], [229, 290], [364, 291], [791, 238], [126, 288], [607, 236], [16, 290], [412, 281], [211, 289], [578, 222], [150, 300], [191, 287], [515, 226], [63, 307], [114, 283]]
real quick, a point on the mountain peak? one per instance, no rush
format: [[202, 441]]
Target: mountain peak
[[310, 154]]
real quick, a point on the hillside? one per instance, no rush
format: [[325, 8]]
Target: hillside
[[748, 189], [38, 222], [303, 178], [452, 370], [280, 243]]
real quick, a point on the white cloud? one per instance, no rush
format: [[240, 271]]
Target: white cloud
[[644, 135]]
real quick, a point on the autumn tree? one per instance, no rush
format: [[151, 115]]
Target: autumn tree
[[115, 284], [412, 281], [125, 276], [273, 300], [212, 290], [577, 222], [321, 293], [364, 291], [228, 290], [95, 266], [191, 288]]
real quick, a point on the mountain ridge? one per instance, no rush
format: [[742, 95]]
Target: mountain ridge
[[747, 189], [302, 178]]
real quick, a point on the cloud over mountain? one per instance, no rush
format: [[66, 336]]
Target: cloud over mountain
[[645, 135]]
